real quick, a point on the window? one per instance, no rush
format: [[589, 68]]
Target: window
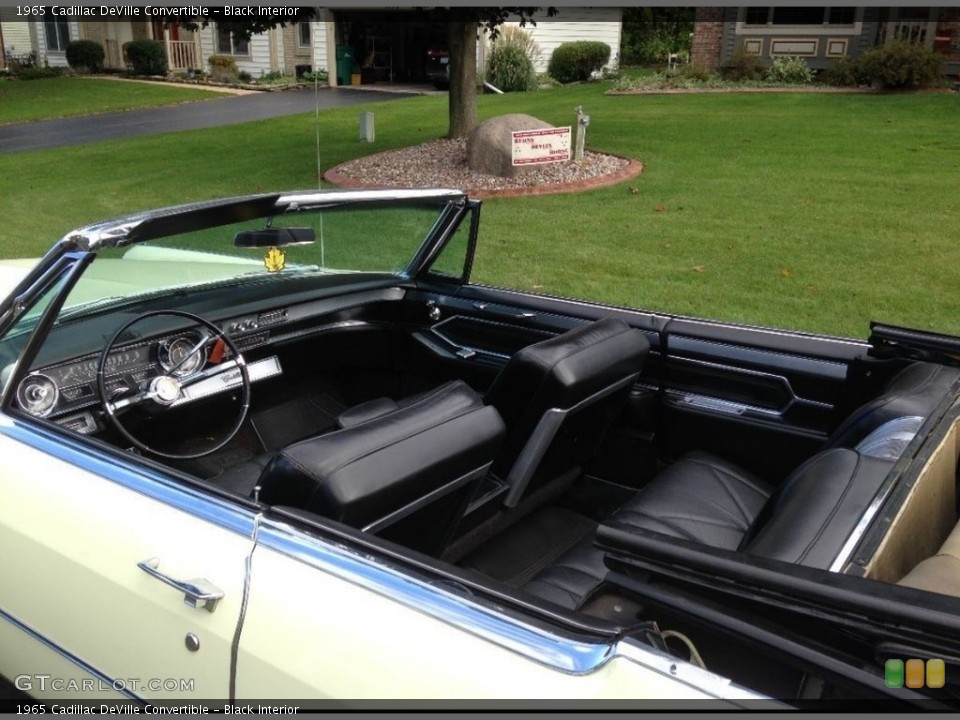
[[303, 34], [799, 16], [57, 33], [229, 44]]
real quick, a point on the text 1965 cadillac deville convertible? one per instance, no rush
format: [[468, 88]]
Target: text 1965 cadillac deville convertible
[[279, 447]]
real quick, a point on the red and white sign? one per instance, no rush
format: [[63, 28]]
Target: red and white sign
[[536, 147]]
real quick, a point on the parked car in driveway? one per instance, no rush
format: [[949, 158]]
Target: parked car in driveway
[[281, 447]]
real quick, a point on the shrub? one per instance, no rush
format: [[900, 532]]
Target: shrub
[[743, 66], [147, 57], [844, 72], [223, 68], [518, 37], [39, 73], [85, 55], [901, 64], [510, 69], [790, 71], [575, 61], [320, 76]]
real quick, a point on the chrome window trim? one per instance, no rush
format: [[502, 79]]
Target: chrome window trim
[[553, 650]]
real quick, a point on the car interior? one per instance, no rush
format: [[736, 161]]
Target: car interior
[[565, 454]]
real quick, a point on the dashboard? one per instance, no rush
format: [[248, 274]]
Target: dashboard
[[65, 391]]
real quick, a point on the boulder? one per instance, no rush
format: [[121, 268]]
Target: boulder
[[490, 145]]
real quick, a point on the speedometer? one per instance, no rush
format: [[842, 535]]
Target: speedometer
[[181, 356], [37, 394]]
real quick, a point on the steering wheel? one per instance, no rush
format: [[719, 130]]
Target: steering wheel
[[166, 389]]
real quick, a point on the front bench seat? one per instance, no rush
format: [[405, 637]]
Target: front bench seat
[[406, 476]]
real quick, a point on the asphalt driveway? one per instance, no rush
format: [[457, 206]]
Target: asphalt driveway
[[44, 134]]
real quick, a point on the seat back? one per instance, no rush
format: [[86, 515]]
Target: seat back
[[407, 475], [560, 395], [914, 391]]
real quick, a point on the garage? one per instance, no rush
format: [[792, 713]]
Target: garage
[[387, 47]]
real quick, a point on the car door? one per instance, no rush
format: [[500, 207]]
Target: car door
[[78, 528], [330, 617], [101, 549]]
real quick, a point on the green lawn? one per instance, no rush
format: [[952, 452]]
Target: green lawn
[[816, 212], [21, 101]]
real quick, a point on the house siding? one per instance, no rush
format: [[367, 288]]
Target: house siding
[[572, 24], [16, 33]]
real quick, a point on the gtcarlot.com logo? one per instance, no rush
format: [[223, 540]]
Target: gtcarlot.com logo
[[28, 683]]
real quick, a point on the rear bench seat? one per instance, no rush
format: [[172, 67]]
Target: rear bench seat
[[806, 520]]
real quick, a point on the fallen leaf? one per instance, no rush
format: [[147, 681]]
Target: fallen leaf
[[538, 287], [667, 245], [660, 208], [785, 272], [697, 268], [634, 191]]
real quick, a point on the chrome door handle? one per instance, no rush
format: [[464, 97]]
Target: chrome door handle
[[198, 593]]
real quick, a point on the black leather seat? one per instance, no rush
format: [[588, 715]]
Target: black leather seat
[[406, 475], [556, 397], [806, 520]]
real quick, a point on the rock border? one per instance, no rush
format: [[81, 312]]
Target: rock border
[[632, 170]]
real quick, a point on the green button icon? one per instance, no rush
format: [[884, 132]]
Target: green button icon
[[893, 673]]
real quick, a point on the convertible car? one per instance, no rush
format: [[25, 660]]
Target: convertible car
[[280, 448]]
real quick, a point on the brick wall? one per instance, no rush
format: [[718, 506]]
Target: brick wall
[[707, 37]]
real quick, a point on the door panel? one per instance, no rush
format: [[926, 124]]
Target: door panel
[[72, 542], [766, 400]]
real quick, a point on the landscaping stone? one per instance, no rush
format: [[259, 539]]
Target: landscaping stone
[[490, 146]]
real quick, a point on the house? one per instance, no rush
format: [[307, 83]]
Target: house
[[383, 46], [821, 35]]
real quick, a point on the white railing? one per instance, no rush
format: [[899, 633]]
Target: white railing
[[182, 54]]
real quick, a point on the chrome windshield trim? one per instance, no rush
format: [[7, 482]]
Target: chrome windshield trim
[[106, 682], [123, 230], [575, 657], [141, 479]]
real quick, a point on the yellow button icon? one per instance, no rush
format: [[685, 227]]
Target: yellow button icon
[[936, 674]]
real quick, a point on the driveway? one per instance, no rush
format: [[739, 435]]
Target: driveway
[[45, 134]]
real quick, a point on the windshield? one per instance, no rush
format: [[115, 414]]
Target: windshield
[[346, 239]]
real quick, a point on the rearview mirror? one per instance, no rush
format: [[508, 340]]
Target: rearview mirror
[[274, 237]]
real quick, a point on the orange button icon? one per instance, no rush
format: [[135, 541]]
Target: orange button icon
[[915, 673]]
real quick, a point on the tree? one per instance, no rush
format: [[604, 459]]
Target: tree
[[463, 26]]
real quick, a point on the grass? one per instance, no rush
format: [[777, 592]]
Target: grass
[[814, 212], [22, 101]]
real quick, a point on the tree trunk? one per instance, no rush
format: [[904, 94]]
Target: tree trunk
[[462, 37]]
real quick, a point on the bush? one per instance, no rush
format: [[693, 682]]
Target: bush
[[743, 66], [223, 68], [844, 72], [518, 37], [790, 71], [319, 76], [901, 64], [510, 69], [85, 55], [148, 57], [575, 61], [39, 73]]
